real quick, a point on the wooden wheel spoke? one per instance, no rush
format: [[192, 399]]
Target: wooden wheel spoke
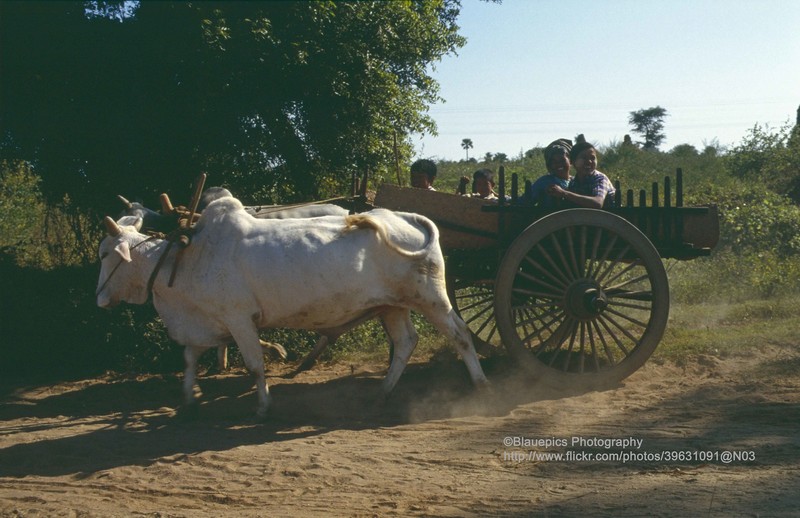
[[618, 304], [479, 314], [582, 352], [629, 318], [479, 302], [560, 253], [537, 332], [605, 318], [614, 337], [644, 295], [526, 334], [592, 344], [606, 349], [530, 319], [625, 270], [538, 294], [556, 269], [489, 320], [492, 331], [609, 247], [582, 249], [537, 305], [613, 264], [539, 281], [546, 272], [568, 352], [593, 259], [571, 248]]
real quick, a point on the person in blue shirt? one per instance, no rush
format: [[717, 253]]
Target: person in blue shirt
[[556, 159], [589, 188]]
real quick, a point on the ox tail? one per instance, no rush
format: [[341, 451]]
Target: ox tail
[[357, 221]]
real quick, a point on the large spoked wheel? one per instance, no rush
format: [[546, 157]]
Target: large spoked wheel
[[581, 299]]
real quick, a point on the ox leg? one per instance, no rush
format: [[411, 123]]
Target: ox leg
[[222, 358], [403, 337], [451, 326], [190, 389], [311, 358], [246, 336]]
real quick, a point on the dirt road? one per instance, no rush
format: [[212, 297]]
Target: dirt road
[[727, 431]]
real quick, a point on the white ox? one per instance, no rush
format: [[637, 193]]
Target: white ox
[[241, 274], [153, 220]]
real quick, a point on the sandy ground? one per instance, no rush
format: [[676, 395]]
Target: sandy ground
[[727, 431]]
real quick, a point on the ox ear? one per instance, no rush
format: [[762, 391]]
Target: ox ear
[[124, 251]]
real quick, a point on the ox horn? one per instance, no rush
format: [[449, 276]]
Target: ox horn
[[112, 227], [166, 205], [128, 205]]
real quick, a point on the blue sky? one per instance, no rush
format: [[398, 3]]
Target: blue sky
[[535, 70]]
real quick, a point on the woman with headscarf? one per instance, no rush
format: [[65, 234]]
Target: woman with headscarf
[[556, 159]]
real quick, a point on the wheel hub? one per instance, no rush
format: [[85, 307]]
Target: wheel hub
[[585, 299]]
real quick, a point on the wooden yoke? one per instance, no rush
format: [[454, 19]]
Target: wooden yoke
[[198, 191]]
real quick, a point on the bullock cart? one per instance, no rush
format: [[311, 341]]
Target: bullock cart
[[578, 297]]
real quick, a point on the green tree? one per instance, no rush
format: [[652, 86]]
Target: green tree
[[20, 204], [466, 145], [649, 123], [281, 100], [771, 157]]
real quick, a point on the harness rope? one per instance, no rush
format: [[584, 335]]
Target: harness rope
[[105, 283], [177, 235]]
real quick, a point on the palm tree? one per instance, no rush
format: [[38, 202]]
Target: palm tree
[[466, 145]]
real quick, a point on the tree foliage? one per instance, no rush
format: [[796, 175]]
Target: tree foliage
[[649, 123], [20, 204], [283, 100], [770, 157]]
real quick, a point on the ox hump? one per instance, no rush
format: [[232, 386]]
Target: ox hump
[[220, 209], [377, 224]]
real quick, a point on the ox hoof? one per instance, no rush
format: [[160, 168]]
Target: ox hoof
[[483, 388], [483, 385], [261, 416]]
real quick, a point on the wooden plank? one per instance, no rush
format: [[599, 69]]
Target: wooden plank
[[462, 224], [701, 229]]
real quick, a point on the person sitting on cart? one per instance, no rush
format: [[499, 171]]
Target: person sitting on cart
[[482, 185], [589, 188], [423, 173], [556, 159]]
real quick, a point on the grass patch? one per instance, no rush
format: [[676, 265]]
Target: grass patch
[[729, 329]]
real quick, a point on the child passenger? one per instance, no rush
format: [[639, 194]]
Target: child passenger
[[423, 173], [556, 160], [589, 188], [482, 185]]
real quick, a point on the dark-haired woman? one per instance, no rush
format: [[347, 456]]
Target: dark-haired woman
[[589, 188]]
